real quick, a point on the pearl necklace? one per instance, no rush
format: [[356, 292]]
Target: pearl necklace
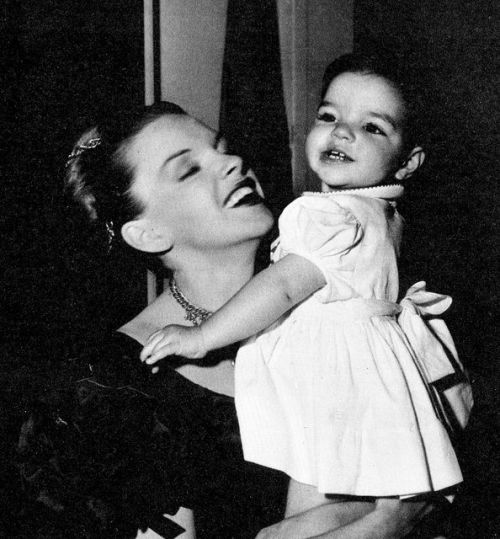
[[195, 315], [386, 191]]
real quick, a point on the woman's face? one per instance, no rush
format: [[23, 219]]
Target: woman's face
[[192, 191]]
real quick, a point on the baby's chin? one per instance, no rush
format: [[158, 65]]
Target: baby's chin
[[332, 180], [333, 184]]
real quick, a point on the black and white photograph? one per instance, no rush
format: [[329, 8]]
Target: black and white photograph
[[249, 269]]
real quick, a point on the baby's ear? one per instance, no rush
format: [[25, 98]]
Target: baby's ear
[[411, 164], [141, 235]]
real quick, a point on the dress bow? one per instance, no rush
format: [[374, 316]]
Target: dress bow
[[416, 319], [435, 354]]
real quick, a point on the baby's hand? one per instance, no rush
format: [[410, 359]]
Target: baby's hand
[[174, 340]]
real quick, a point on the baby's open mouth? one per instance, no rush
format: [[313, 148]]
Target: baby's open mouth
[[244, 193], [335, 155]]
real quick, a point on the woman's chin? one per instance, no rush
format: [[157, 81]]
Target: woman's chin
[[257, 221]]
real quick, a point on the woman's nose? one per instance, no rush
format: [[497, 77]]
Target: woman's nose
[[342, 131], [232, 164]]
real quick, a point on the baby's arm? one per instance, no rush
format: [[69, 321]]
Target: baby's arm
[[267, 296]]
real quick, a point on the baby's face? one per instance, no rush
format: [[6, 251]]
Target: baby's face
[[357, 137]]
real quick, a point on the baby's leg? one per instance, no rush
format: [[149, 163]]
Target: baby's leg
[[302, 497], [391, 518], [309, 512]]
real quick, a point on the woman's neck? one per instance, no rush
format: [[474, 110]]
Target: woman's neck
[[206, 280], [212, 280]]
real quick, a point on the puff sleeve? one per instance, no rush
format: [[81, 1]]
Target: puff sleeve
[[324, 232]]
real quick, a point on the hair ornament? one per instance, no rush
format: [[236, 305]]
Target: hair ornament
[[80, 148], [110, 232]]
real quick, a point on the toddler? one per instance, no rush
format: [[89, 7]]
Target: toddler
[[329, 387]]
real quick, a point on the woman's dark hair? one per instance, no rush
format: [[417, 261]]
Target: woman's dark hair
[[394, 73], [99, 178]]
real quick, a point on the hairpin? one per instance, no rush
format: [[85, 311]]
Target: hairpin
[[89, 145]]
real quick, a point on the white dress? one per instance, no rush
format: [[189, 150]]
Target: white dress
[[330, 394]]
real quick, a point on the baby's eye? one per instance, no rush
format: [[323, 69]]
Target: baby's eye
[[194, 169], [326, 116], [374, 129]]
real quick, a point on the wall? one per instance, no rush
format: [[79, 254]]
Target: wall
[[312, 34], [192, 48]]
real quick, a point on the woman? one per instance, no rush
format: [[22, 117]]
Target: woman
[[130, 445]]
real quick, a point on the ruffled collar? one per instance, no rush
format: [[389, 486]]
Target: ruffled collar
[[387, 192]]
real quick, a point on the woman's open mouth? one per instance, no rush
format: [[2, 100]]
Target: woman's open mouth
[[244, 194]]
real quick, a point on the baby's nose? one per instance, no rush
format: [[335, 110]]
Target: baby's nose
[[342, 131]]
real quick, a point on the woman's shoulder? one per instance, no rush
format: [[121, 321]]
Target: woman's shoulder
[[138, 329], [153, 317]]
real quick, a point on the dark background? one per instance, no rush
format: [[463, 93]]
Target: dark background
[[63, 61], [451, 238]]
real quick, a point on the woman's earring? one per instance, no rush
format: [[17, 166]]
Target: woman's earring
[[110, 232]]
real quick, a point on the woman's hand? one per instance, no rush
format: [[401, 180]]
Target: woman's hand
[[174, 341]]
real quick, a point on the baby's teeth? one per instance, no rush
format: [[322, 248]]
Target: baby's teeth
[[336, 156]]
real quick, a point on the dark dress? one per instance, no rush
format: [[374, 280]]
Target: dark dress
[[109, 451]]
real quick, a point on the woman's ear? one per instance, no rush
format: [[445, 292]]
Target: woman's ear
[[411, 164], [141, 235]]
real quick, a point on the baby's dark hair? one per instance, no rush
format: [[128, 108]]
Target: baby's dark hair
[[97, 175], [389, 69]]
